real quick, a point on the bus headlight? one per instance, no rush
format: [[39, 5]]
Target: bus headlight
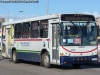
[[93, 59]]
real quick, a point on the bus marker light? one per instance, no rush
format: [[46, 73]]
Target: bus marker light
[[64, 62], [85, 58], [77, 59]]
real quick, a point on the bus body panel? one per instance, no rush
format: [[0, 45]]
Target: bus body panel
[[30, 49], [64, 60], [5, 52], [79, 51]]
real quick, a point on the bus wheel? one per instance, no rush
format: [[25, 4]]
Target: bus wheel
[[14, 57], [46, 60], [76, 65]]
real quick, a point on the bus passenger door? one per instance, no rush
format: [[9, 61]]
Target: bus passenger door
[[3, 42], [55, 38], [8, 41]]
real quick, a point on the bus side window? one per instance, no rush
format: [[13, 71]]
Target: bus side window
[[18, 28], [34, 29], [44, 29], [26, 30]]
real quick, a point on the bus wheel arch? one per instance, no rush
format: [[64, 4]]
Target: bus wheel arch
[[13, 49], [45, 57], [14, 55]]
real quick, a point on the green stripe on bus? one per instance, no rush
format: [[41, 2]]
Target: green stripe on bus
[[28, 51]]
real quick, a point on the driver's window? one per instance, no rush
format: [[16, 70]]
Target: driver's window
[[73, 31], [70, 30]]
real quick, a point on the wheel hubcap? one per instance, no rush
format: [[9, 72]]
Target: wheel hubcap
[[14, 56], [46, 60]]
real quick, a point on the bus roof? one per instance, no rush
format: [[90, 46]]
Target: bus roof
[[50, 16], [32, 19]]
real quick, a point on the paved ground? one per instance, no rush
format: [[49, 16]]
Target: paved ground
[[7, 67]]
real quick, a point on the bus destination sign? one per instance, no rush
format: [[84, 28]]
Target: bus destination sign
[[77, 18]]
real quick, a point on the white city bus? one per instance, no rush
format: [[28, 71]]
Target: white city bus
[[59, 39]]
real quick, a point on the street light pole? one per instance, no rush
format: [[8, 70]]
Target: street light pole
[[20, 13], [7, 12], [47, 6]]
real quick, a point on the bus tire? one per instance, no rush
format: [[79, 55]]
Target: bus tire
[[46, 60], [76, 65], [14, 57]]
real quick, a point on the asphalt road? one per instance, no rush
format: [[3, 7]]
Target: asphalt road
[[7, 67]]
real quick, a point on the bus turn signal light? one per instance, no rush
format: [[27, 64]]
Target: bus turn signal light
[[64, 62], [61, 54]]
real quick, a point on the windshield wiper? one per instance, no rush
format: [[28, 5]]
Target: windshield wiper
[[77, 27], [85, 25]]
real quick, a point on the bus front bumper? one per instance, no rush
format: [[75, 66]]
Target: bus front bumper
[[78, 59]]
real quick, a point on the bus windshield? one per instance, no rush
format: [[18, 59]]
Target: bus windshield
[[78, 33]]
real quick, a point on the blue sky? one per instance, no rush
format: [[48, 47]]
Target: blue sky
[[55, 6]]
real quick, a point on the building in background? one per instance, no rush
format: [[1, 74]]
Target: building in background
[[2, 20], [98, 21]]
